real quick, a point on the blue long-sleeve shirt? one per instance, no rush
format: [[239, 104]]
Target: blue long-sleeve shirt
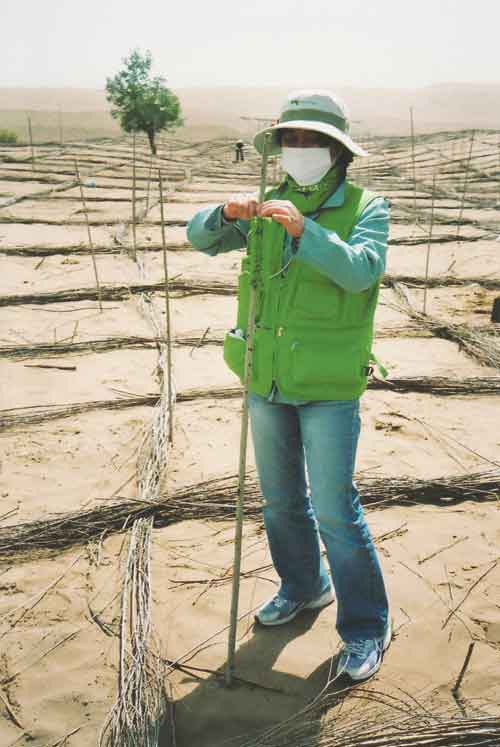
[[354, 264]]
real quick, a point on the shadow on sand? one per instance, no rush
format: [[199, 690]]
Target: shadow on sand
[[260, 697]]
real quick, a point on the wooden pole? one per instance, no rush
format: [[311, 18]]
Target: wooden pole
[[61, 140], [30, 132], [134, 236], [427, 260], [466, 181], [244, 436], [91, 244], [460, 677], [149, 184], [167, 318], [413, 166], [498, 177]]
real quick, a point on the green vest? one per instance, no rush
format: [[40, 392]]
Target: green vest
[[311, 337]]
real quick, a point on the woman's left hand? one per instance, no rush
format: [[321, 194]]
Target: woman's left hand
[[284, 212]]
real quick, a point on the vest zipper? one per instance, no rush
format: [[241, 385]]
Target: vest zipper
[[279, 331]]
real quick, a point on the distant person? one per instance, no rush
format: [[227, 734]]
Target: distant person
[[323, 257], [239, 152]]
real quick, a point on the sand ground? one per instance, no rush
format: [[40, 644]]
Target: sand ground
[[60, 612]]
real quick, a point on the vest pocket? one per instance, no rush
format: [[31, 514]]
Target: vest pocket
[[313, 366], [315, 300], [234, 352]]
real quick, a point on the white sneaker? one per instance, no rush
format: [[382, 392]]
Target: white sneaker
[[278, 610], [362, 658]]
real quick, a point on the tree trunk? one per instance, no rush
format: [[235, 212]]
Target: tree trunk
[[151, 137]]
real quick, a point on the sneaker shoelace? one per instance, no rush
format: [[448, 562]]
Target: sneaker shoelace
[[358, 648], [280, 602]]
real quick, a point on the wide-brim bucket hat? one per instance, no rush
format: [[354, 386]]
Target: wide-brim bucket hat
[[317, 110]]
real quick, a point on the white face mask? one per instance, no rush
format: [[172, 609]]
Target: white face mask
[[306, 165]]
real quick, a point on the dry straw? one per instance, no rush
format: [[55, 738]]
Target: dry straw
[[216, 499], [148, 188], [466, 182], [414, 172], [142, 704], [483, 348], [91, 245], [193, 339], [168, 329], [140, 707], [134, 217], [183, 287], [428, 254], [498, 178], [378, 720], [436, 385]]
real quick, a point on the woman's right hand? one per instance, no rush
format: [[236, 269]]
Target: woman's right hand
[[240, 209]]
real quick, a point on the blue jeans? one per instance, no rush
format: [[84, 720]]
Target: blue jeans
[[321, 437]]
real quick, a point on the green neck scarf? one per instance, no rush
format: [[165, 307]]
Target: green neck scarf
[[310, 198]]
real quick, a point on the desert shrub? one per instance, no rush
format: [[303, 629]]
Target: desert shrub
[[142, 103], [8, 137]]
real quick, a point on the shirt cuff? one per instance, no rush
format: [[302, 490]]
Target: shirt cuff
[[216, 220], [309, 228]]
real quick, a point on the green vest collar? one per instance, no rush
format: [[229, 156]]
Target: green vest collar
[[336, 199], [309, 199]]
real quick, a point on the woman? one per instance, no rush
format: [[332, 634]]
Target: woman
[[323, 257]]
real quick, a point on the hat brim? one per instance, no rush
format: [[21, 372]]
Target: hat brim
[[304, 124]]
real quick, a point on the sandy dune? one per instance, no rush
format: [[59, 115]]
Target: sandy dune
[[60, 609]]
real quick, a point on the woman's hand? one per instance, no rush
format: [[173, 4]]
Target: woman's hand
[[243, 208], [284, 212]]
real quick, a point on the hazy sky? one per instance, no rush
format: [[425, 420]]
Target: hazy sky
[[390, 43]]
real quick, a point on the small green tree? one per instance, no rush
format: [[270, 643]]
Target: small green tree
[[8, 137], [140, 102]]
